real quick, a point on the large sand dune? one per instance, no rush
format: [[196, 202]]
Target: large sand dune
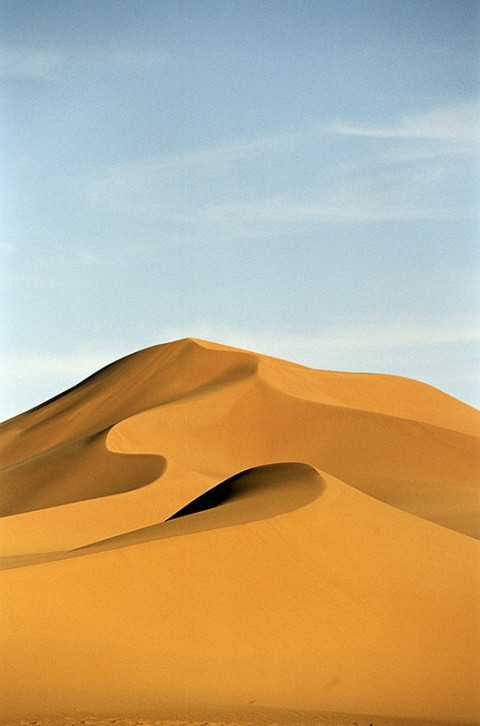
[[199, 527]]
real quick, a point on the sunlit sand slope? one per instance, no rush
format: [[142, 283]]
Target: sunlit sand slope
[[200, 525]]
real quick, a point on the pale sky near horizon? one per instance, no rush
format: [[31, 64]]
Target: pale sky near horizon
[[298, 178]]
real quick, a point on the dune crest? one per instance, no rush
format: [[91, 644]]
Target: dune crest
[[204, 525]]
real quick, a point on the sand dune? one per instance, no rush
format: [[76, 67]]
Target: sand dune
[[198, 527]]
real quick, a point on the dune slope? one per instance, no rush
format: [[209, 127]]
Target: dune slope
[[205, 526]]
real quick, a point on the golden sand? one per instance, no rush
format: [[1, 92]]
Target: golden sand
[[199, 531]]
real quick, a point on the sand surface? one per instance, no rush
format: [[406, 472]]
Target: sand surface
[[199, 534], [265, 717]]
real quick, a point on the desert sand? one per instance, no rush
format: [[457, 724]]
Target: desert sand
[[200, 534]]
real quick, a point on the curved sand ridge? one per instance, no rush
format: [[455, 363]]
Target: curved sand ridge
[[204, 526]]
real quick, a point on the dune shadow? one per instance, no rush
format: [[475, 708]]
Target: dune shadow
[[256, 494], [77, 471], [219, 494]]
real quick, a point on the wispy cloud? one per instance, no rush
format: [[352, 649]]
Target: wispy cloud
[[204, 162], [459, 123], [134, 57], [82, 254], [23, 62], [322, 174], [52, 63], [396, 195], [6, 248], [180, 187]]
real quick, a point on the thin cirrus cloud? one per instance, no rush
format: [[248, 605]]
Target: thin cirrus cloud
[[317, 175], [202, 177], [399, 195], [40, 64], [53, 64], [459, 123], [82, 254]]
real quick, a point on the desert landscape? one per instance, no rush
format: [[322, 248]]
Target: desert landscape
[[201, 534]]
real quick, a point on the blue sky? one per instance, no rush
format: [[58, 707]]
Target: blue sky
[[296, 178]]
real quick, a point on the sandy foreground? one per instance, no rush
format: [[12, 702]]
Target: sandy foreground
[[255, 718], [202, 535]]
